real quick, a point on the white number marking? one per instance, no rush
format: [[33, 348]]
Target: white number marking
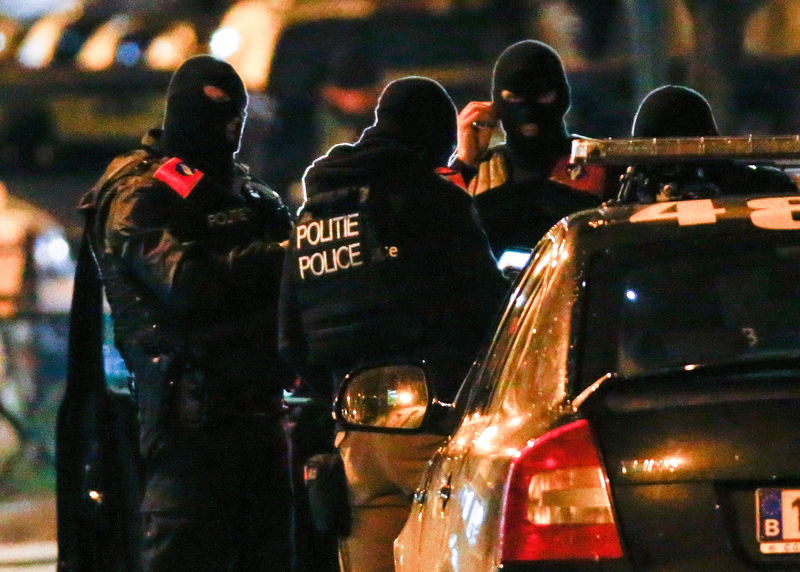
[[776, 213], [685, 212]]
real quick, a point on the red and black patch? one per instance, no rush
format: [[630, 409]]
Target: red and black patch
[[587, 178], [179, 176], [452, 175]]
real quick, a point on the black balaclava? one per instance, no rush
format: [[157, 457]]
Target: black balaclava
[[674, 111], [204, 116], [418, 113], [532, 70]]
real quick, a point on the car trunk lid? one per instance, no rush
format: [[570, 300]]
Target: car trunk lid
[[704, 467]]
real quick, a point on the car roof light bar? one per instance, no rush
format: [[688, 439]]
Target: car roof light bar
[[633, 150]]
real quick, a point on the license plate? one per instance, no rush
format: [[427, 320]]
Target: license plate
[[778, 520]]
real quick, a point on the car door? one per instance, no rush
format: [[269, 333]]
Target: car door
[[460, 494]]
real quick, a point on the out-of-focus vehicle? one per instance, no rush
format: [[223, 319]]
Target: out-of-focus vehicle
[[91, 80], [35, 258], [637, 406], [36, 272]]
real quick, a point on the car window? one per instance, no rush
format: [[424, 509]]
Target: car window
[[534, 372], [479, 387], [660, 306]]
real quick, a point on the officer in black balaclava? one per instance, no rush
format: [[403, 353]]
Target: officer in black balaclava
[[412, 278], [530, 98], [674, 111], [678, 111], [189, 248], [526, 184], [418, 114]]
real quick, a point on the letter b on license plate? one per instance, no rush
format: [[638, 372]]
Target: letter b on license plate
[[778, 520]]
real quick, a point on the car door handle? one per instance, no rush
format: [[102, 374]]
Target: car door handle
[[446, 490]]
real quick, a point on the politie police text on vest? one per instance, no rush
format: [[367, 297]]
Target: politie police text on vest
[[339, 239]]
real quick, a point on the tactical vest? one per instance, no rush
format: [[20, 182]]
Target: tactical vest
[[352, 281]]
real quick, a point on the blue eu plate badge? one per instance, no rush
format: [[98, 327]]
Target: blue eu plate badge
[[778, 520]]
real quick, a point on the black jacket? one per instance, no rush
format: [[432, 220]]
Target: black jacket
[[191, 265], [517, 207], [387, 261], [518, 214]]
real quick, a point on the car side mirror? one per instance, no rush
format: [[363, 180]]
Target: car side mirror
[[395, 398]]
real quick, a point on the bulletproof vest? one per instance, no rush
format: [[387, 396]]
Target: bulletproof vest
[[352, 280]]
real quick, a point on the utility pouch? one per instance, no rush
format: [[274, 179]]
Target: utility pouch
[[192, 397], [327, 493], [151, 387]]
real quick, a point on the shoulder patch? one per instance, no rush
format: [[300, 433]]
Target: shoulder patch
[[453, 176], [587, 178], [179, 176]]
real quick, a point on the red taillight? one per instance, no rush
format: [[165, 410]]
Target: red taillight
[[557, 505]]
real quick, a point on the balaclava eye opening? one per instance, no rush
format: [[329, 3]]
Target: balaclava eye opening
[[418, 113], [674, 111], [533, 72], [204, 115]]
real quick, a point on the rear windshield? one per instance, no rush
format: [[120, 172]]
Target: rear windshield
[[656, 306]]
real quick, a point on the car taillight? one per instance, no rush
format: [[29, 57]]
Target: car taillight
[[557, 504]]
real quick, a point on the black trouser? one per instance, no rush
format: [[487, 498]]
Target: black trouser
[[219, 499]]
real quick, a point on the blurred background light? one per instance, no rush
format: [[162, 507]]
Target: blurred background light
[[100, 50], [246, 38], [168, 50], [39, 45], [128, 54], [51, 252], [32, 8], [225, 42]]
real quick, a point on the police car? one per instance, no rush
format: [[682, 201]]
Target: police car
[[637, 406]]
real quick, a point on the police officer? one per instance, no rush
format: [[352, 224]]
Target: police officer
[[189, 249], [679, 111], [524, 185], [387, 262]]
